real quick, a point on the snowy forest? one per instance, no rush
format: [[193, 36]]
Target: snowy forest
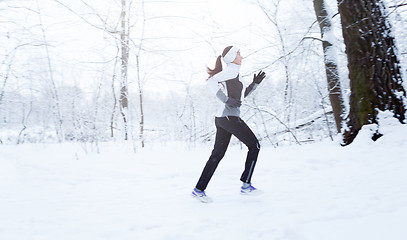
[[106, 121], [97, 71]]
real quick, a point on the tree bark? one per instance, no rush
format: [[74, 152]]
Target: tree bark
[[112, 117], [124, 42], [374, 71], [332, 76], [140, 92]]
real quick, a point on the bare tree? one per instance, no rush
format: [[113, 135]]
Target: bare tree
[[139, 78], [53, 89], [123, 39], [124, 43], [113, 114], [271, 15], [332, 76]]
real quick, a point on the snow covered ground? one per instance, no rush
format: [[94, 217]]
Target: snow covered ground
[[319, 191]]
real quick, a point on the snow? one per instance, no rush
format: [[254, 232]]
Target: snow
[[314, 191]]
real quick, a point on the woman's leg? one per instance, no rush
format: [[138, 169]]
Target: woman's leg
[[221, 144], [239, 128]]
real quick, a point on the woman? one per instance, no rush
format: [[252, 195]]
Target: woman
[[226, 85]]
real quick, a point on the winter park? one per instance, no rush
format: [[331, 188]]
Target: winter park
[[203, 119]]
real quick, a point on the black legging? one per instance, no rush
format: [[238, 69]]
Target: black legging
[[225, 127]]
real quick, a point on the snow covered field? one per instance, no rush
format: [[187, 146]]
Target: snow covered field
[[319, 191]]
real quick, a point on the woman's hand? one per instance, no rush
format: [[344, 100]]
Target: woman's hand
[[233, 102], [259, 77]]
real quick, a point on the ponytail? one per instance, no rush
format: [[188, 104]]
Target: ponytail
[[218, 67]]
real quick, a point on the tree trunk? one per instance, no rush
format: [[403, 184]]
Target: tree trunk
[[124, 42], [112, 118], [140, 92], [374, 71], [332, 76]]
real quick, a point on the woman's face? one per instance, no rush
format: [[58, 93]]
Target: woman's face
[[238, 59]]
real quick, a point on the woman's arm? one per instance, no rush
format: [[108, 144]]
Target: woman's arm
[[250, 89], [257, 79], [215, 89]]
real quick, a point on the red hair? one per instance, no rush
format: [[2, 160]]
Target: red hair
[[218, 64]]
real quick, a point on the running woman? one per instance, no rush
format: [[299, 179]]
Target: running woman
[[227, 86]]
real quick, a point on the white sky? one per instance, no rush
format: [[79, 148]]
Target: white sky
[[190, 27]]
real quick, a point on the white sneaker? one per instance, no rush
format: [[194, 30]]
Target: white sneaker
[[201, 196], [250, 190]]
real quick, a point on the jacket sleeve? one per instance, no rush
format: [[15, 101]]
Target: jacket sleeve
[[250, 88], [215, 89]]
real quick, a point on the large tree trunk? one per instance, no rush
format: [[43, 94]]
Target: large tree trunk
[[374, 70], [332, 76]]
